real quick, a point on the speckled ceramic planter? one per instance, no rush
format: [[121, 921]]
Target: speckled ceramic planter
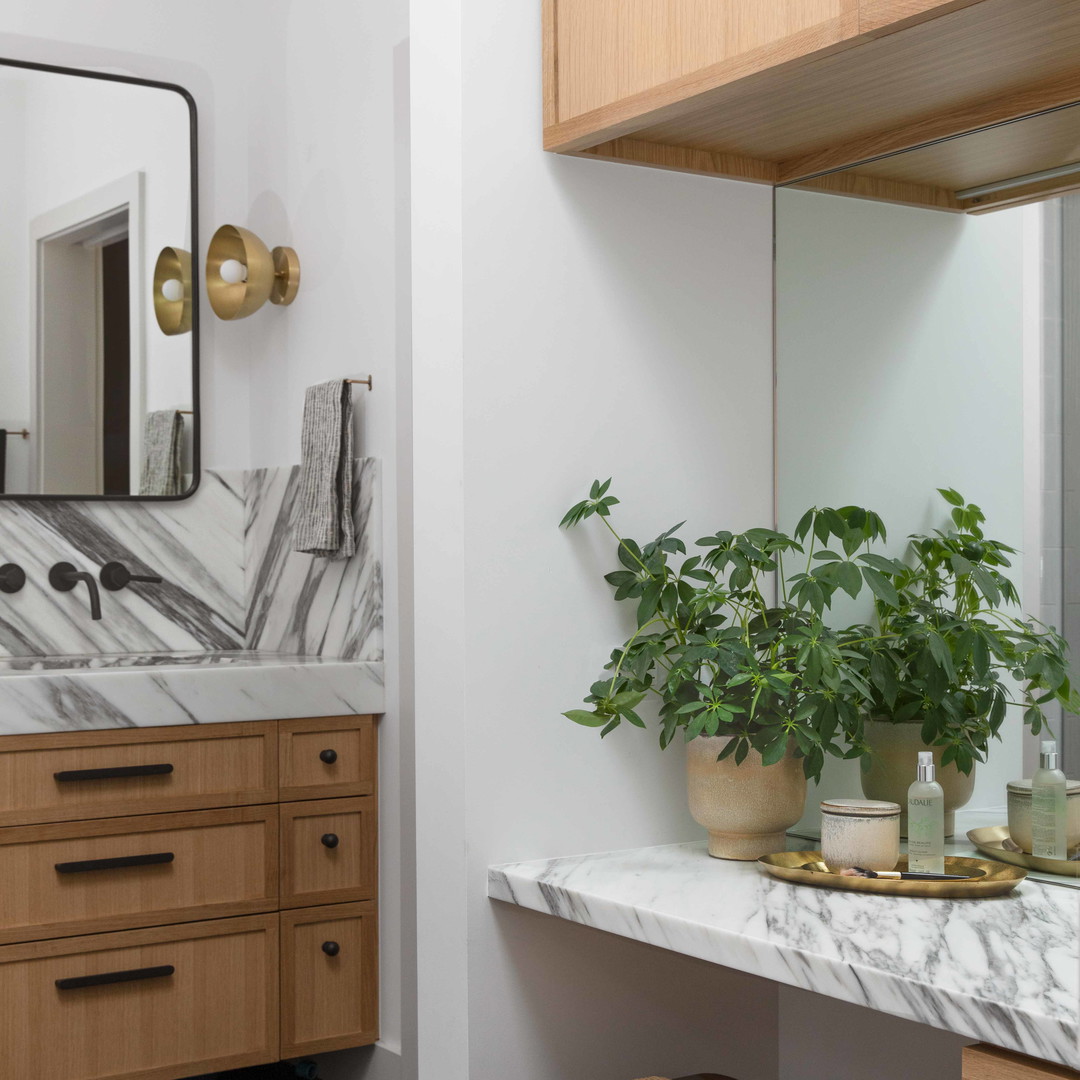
[[892, 769], [747, 808]]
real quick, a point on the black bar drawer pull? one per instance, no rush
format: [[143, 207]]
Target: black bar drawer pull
[[157, 858], [108, 977], [117, 772]]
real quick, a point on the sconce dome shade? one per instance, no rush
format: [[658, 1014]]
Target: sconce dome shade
[[269, 276], [172, 308]]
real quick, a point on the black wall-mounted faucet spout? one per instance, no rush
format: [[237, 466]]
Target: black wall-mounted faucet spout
[[64, 577]]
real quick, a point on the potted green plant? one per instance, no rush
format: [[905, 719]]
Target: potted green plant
[[948, 655], [760, 689]]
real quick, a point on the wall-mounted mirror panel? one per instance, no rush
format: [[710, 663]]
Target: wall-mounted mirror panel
[[928, 337], [98, 392]]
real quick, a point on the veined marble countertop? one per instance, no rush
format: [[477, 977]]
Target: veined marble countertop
[[1003, 970], [76, 693]]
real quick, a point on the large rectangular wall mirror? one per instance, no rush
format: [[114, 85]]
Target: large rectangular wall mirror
[[98, 313], [928, 337]]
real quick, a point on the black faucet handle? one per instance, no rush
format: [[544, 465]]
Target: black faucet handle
[[116, 576], [12, 578]]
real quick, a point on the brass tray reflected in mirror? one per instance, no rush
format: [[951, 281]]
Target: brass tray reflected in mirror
[[991, 841], [984, 878]]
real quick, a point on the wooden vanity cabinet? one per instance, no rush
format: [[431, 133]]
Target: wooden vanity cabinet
[[180, 900], [989, 1063], [787, 90]]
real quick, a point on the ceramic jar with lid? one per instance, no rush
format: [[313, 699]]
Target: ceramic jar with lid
[[1020, 813], [860, 832]]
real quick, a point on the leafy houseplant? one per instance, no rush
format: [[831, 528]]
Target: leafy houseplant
[[721, 656]]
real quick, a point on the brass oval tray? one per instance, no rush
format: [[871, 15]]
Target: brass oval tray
[[991, 841], [987, 878]]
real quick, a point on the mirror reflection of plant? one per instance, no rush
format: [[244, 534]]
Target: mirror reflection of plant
[[943, 646], [724, 659]]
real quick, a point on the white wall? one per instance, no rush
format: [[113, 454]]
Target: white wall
[[298, 129], [900, 359], [616, 321]]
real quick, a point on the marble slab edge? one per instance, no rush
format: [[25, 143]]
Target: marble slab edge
[[164, 696], [535, 886]]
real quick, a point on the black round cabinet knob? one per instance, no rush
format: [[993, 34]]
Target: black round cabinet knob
[[330, 840], [331, 948], [328, 757]]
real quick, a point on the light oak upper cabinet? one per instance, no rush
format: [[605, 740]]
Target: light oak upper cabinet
[[791, 89]]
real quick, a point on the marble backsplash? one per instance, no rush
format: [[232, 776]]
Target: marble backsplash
[[231, 581], [304, 606]]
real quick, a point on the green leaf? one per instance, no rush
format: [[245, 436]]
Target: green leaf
[[573, 515], [884, 678], [774, 751], [951, 496], [986, 584], [728, 750], [805, 524], [881, 586], [850, 579], [650, 600], [586, 719]]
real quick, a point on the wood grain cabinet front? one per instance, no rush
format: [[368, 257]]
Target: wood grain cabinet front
[[143, 1005], [328, 851], [119, 873], [989, 1063], [329, 755], [329, 978], [183, 900], [91, 774]]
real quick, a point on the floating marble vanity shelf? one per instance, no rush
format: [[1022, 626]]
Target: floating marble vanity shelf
[[1004, 971], [74, 693]]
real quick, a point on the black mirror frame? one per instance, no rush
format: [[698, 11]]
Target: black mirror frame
[[196, 436]]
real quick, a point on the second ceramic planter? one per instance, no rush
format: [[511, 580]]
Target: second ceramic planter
[[892, 769]]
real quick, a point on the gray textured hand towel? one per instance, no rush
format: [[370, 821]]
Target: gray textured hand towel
[[163, 441], [324, 523]]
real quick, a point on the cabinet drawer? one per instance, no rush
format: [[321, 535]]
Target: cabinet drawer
[[328, 851], [329, 755], [93, 774], [329, 978], [142, 1005], [117, 873]]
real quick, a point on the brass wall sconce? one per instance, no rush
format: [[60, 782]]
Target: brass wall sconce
[[242, 274], [172, 291]]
